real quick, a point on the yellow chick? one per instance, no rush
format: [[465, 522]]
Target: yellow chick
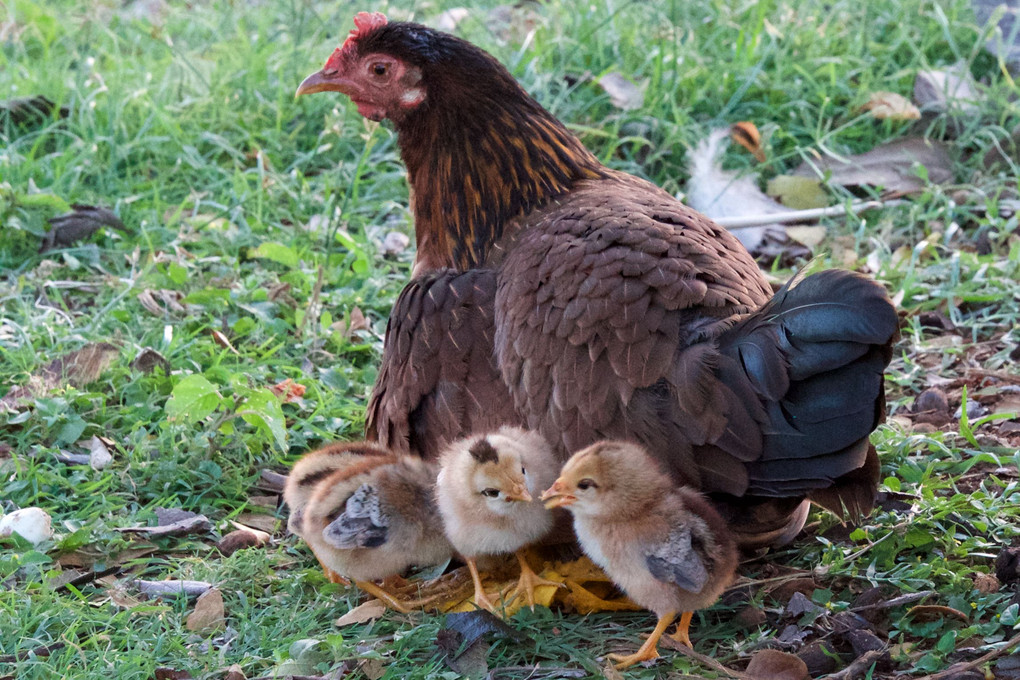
[[486, 492], [665, 546], [371, 514]]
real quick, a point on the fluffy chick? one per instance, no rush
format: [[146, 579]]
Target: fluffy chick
[[665, 546], [309, 471], [487, 492], [370, 514]]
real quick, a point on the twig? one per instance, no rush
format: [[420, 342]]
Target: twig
[[895, 602], [970, 665], [746, 221], [44, 650], [89, 577], [859, 666], [313, 303], [702, 659]]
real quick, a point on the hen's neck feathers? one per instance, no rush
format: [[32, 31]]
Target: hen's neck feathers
[[481, 152]]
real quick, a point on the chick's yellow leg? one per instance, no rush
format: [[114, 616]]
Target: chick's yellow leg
[[681, 634], [648, 651], [481, 599], [529, 581]]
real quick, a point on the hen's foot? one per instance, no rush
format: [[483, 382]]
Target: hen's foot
[[481, 598]]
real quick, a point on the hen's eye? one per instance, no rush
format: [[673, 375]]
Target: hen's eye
[[380, 69], [490, 492], [586, 484]]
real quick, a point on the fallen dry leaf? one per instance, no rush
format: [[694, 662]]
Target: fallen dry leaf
[[223, 341], [171, 301], [395, 243], [172, 522], [363, 613], [79, 368], [810, 235], [951, 89], [745, 133], [208, 614], [29, 110], [890, 166], [891, 106], [289, 391], [448, 20], [99, 454], [623, 93], [261, 521], [82, 222], [799, 193], [147, 361], [171, 588], [934, 612], [240, 540], [171, 674], [235, 672], [772, 664]]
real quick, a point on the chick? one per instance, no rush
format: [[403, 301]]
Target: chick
[[370, 515], [665, 546], [309, 471], [486, 492]]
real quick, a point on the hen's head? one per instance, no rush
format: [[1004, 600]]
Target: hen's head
[[389, 69]]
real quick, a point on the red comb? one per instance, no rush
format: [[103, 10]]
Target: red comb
[[364, 23]]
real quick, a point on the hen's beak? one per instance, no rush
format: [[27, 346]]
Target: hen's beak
[[556, 496], [519, 493], [323, 81]]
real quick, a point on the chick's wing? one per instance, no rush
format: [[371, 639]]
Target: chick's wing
[[675, 560]]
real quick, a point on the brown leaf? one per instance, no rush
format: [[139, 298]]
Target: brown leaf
[[363, 613], [241, 539], [890, 166], [934, 612], [289, 391], [892, 106], [171, 674], [623, 93], [173, 522], [772, 664], [148, 359], [372, 668], [948, 89], [208, 614], [223, 341], [171, 301], [79, 224], [29, 110], [358, 321], [235, 673], [79, 368], [745, 133], [261, 521]]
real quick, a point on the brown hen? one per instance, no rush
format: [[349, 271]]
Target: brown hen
[[552, 292]]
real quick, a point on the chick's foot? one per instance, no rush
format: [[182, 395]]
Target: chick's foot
[[649, 650], [528, 582], [681, 634]]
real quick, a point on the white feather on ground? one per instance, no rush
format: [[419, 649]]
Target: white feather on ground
[[726, 193]]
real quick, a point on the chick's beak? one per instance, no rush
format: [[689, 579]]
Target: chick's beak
[[325, 81], [519, 493], [556, 496]]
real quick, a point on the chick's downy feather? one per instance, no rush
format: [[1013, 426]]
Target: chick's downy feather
[[487, 491], [554, 293]]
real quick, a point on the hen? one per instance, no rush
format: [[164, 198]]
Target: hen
[[552, 292]]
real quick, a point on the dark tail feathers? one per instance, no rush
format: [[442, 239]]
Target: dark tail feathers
[[815, 356]]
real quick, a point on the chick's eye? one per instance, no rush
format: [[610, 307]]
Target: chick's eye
[[380, 69], [490, 492], [523, 471], [586, 484]]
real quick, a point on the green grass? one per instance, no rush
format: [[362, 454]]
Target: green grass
[[188, 128]]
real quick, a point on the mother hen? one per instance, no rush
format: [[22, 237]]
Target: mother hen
[[553, 292]]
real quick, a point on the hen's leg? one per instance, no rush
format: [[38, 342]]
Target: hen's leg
[[648, 651]]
